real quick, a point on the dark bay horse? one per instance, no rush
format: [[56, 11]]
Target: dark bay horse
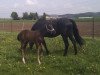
[[67, 28], [25, 37]]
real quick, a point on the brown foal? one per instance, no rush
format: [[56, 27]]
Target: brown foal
[[26, 36]]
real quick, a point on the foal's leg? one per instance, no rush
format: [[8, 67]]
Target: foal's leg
[[31, 44], [23, 53], [73, 42], [65, 39], [23, 56], [23, 45], [39, 52]]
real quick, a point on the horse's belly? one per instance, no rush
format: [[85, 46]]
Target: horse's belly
[[51, 36]]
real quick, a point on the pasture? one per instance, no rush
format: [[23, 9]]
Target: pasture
[[87, 62]]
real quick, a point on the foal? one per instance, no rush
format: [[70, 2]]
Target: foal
[[27, 36]]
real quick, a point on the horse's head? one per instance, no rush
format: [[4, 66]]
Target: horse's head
[[50, 29], [46, 27]]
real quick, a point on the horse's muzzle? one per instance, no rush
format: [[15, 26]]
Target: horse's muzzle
[[53, 32]]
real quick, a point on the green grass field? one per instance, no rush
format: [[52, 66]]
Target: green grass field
[[87, 62]]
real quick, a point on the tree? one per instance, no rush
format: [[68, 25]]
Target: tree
[[44, 15], [31, 16], [36, 15], [14, 16], [25, 15]]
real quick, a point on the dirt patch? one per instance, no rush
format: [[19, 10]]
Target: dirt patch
[[86, 28]]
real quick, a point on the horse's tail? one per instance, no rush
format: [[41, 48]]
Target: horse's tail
[[78, 38]]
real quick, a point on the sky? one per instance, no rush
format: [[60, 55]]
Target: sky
[[58, 7]]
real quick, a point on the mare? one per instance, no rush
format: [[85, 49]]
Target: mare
[[67, 28]]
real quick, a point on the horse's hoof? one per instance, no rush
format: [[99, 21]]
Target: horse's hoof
[[39, 63], [47, 53], [19, 49], [75, 54], [64, 54], [30, 48]]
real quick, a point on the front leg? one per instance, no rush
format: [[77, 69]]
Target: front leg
[[45, 46], [39, 53], [31, 44], [23, 56]]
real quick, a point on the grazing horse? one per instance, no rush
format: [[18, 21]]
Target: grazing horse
[[25, 37], [67, 28]]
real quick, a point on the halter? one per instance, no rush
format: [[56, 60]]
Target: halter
[[49, 29]]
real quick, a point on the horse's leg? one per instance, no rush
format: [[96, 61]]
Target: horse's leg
[[23, 56], [39, 52], [45, 46], [31, 44], [23, 53], [65, 39], [73, 42], [23, 45]]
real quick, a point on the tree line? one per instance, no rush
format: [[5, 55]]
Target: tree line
[[30, 16]]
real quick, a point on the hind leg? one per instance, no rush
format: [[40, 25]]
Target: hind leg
[[73, 42], [65, 39], [23, 51]]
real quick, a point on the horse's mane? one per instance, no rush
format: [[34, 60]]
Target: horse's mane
[[39, 23]]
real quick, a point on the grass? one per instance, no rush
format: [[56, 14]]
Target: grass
[[87, 62]]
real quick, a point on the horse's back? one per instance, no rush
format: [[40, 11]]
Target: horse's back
[[21, 35], [28, 35]]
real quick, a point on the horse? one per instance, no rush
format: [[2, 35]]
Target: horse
[[67, 28], [25, 36]]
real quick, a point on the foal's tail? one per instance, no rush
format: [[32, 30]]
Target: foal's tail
[[78, 38]]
